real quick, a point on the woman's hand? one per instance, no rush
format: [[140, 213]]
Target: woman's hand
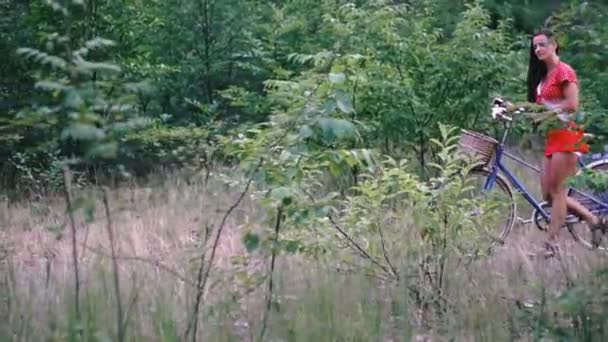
[[541, 116], [526, 106]]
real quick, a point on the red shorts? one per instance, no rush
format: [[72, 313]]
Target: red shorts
[[565, 140]]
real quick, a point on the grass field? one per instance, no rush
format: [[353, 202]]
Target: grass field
[[160, 233]]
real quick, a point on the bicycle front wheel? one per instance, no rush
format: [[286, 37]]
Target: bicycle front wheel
[[494, 209], [579, 229]]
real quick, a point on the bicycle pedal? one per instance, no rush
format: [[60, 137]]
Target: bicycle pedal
[[521, 220]]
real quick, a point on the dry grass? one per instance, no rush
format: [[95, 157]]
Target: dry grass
[[161, 231]]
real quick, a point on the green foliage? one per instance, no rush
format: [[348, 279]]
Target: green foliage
[[86, 106], [144, 150], [595, 180], [390, 200], [82, 109], [39, 175], [583, 40], [578, 313], [391, 71]]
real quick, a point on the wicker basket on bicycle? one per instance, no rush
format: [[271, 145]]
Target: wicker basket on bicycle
[[479, 146]]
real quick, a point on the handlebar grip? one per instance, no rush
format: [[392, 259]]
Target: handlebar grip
[[588, 135]]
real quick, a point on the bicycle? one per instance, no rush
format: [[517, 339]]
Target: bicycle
[[495, 174]]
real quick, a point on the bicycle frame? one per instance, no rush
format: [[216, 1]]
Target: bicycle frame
[[498, 166]]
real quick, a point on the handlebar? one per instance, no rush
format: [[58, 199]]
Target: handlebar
[[500, 111], [504, 110], [499, 108]]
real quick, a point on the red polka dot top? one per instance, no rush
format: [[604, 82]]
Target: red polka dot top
[[550, 91]]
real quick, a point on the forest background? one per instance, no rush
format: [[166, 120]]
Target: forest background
[[307, 132]]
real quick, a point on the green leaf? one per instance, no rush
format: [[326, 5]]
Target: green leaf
[[81, 131], [78, 203], [87, 205], [90, 67], [306, 132], [336, 128], [283, 195], [329, 106], [335, 169], [43, 58], [73, 100], [103, 150], [337, 78], [51, 85], [251, 241], [102, 337], [89, 212], [343, 102], [98, 43], [56, 229], [291, 246]]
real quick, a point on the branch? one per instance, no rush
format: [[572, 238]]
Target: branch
[[385, 253], [203, 278], [203, 275], [67, 181], [273, 258], [131, 305], [351, 243], [352, 268], [144, 260], [119, 318], [354, 244]]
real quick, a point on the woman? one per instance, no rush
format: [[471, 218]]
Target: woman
[[554, 84]]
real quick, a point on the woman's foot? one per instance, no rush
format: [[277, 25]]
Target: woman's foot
[[548, 249], [598, 230], [551, 249]]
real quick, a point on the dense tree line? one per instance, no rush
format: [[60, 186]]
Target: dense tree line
[[182, 72]]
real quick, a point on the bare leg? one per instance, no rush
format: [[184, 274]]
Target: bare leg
[[571, 203], [558, 214], [544, 180], [560, 167], [581, 211]]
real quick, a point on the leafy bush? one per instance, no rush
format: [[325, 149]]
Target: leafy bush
[[143, 151], [578, 313]]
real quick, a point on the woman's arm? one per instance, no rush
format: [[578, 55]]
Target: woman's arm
[[571, 101], [565, 110]]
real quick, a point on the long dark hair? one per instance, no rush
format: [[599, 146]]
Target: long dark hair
[[537, 69]]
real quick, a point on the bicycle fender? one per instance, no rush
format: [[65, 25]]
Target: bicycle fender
[[593, 164]]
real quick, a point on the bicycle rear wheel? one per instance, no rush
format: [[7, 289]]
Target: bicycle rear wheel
[[494, 210], [579, 229]]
